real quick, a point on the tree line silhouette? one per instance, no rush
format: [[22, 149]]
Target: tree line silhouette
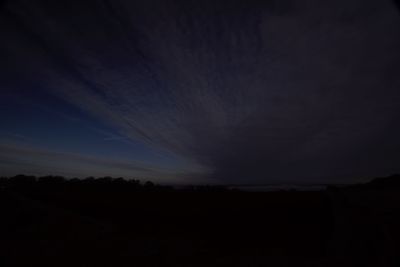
[[107, 183]]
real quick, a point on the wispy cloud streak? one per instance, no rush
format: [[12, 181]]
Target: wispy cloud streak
[[267, 88]]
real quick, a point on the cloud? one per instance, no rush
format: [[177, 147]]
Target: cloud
[[266, 90]]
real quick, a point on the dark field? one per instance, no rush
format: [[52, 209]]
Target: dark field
[[65, 225]]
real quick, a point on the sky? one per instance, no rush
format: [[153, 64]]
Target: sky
[[184, 91]]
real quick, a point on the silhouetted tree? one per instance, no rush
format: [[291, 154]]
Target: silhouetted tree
[[134, 183], [22, 181], [51, 180], [397, 3], [386, 182], [149, 185], [4, 181], [119, 181]]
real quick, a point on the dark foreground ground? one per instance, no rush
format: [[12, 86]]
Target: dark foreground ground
[[70, 226]]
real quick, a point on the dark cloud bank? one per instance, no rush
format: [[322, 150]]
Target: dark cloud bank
[[254, 91]]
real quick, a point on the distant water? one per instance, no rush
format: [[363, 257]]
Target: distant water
[[269, 188]]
